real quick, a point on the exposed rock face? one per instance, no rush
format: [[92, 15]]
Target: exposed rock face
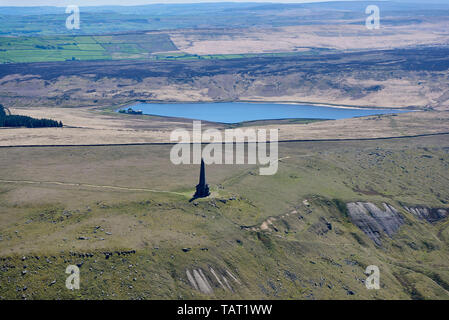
[[206, 283], [431, 215], [373, 221]]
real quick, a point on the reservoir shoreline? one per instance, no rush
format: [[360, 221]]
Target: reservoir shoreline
[[317, 104], [239, 112]]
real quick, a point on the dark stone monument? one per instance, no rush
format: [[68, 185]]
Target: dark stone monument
[[202, 188]]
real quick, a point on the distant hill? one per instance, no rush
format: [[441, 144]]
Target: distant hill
[[47, 20]]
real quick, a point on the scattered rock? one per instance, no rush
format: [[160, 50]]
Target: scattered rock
[[290, 275], [321, 227]]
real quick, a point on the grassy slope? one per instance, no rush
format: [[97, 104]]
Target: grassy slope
[[301, 260]]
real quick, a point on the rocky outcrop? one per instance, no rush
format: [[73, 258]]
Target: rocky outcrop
[[431, 215], [207, 282], [373, 221]]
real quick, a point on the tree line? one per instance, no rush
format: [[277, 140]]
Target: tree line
[[7, 120]]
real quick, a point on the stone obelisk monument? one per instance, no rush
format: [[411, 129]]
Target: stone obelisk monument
[[202, 188]]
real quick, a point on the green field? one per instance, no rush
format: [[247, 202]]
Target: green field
[[100, 47], [60, 48]]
